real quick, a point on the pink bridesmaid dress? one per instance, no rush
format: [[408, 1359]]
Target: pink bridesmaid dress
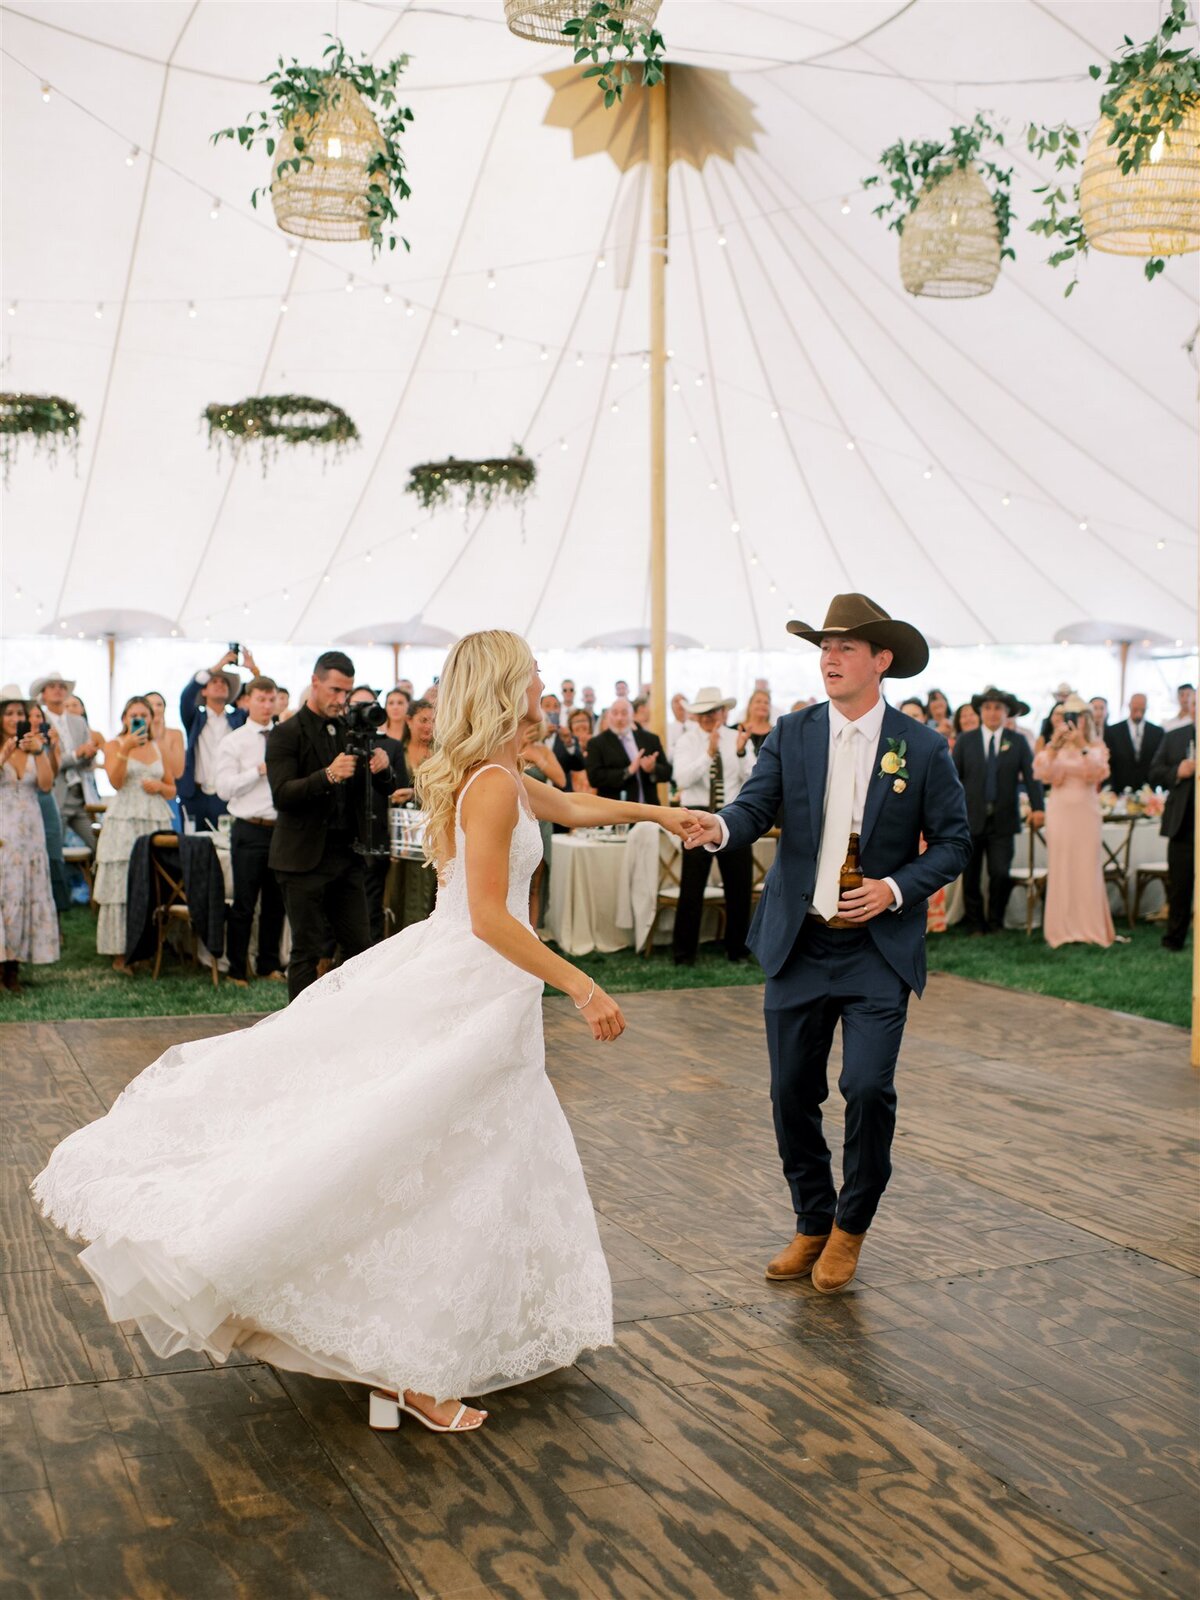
[[1076, 894]]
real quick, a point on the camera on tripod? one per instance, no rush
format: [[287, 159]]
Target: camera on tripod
[[363, 722]]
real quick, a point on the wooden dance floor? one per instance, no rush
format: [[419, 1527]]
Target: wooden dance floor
[[1006, 1406]]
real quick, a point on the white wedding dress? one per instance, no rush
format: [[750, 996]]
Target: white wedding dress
[[376, 1184]]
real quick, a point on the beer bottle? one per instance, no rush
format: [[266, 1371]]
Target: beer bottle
[[850, 877]]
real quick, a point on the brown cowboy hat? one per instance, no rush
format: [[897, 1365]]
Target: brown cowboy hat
[[860, 618], [1016, 708]]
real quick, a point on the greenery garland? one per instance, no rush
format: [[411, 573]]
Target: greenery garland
[[279, 420], [914, 168], [435, 483], [1149, 90], [49, 420], [600, 33], [298, 91]]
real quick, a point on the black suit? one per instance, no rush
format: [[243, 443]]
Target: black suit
[[1125, 769], [994, 816], [608, 767], [312, 851], [1178, 828]]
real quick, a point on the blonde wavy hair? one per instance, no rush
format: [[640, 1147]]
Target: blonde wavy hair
[[483, 699]]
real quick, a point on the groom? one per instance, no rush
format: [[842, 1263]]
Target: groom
[[853, 765]]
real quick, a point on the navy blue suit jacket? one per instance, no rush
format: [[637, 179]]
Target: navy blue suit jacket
[[194, 716], [788, 784]]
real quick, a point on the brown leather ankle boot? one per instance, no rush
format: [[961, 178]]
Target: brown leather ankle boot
[[838, 1261], [795, 1260]]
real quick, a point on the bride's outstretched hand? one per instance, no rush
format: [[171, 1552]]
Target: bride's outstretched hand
[[603, 1016], [677, 820]]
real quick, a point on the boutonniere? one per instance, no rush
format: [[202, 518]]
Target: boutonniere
[[892, 765], [1005, 747]]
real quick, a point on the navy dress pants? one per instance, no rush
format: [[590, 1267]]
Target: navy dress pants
[[833, 975]]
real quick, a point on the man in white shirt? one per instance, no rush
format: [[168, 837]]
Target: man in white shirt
[[711, 764], [77, 752], [1186, 714], [241, 782], [678, 722], [205, 707], [853, 955]]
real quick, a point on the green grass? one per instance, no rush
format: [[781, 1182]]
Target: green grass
[[1140, 977]]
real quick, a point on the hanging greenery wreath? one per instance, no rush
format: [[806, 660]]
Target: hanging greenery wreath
[[1151, 108], [279, 421], [436, 483], [314, 112], [912, 170], [51, 422], [607, 28]]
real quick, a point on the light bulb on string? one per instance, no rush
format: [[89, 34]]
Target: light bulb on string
[[99, 311], [845, 206], [191, 308], [771, 587], [499, 341], [414, 536], [754, 558], [699, 380], [1160, 544], [39, 608], [132, 156], [387, 295], [774, 415], [615, 407], [350, 284], [293, 250], [600, 263], [543, 354], [721, 239], [693, 438], [454, 329], [675, 387], [613, 364], [645, 363], [578, 358], [927, 474], [286, 595], [562, 445], [491, 279], [174, 633], [735, 527], [849, 444], [409, 308], [12, 308], [245, 611], [46, 92], [1006, 499], [713, 484], [214, 210], [1083, 527], [324, 577]]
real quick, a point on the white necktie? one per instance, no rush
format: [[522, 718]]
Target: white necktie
[[1137, 738], [835, 830]]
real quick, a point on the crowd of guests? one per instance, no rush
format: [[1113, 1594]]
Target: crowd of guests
[[232, 758]]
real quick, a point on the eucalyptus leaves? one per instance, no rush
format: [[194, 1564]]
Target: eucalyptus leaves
[[336, 131], [49, 421], [437, 483], [608, 27]]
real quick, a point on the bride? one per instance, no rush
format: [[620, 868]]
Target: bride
[[308, 1192]]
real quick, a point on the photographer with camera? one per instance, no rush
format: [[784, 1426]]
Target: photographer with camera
[[209, 714], [317, 766]]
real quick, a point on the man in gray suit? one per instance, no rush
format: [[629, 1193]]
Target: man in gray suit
[[77, 752]]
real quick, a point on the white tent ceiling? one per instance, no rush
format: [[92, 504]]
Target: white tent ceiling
[[995, 469]]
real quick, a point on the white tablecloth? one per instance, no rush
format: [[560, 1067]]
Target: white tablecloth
[[1147, 846], [603, 892]]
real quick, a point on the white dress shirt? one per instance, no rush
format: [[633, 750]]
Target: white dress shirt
[[239, 782], [993, 736], [866, 736], [693, 764]]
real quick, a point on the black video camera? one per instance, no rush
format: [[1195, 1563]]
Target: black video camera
[[363, 722]]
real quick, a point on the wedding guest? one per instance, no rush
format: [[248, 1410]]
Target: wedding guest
[[580, 728], [569, 745], [913, 708], [411, 890], [1132, 746], [407, 685], [283, 702], [1074, 763], [620, 690], [136, 770], [937, 706], [551, 709], [993, 765], [589, 702], [1099, 715], [712, 762], [375, 867], [396, 705], [626, 762], [74, 783], [74, 707], [208, 718], [1186, 713], [52, 826], [1053, 724], [966, 719], [1174, 769], [757, 721], [28, 924], [1063, 692], [641, 711], [171, 742], [678, 722], [567, 695], [242, 784], [537, 760]]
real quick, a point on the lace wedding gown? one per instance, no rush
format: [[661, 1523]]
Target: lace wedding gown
[[326, 1192]]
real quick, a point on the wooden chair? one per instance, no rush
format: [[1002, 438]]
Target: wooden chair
[[670, 859], [78, 855], [1032, 877], [170, 898], [758, 874], [1149, 872], [1117, 867]]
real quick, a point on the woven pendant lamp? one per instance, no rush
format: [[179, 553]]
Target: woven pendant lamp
[[950, 247], [1153, 211], [543, 20], [327, 198]]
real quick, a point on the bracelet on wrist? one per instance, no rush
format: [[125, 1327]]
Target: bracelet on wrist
[[580, 1004]]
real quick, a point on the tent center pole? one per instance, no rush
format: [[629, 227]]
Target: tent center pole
[[658, 407]]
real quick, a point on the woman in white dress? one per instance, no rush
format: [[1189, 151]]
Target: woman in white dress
[[412, 1218]]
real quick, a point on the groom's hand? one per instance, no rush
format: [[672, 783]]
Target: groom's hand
[[860, 905], [700, 827]]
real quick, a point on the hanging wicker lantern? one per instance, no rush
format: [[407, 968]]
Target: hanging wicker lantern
[[543, 20], [327, 198], [1153, 211], [950, 247]]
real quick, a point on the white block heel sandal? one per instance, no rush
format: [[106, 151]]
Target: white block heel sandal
[[385, 1412]]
